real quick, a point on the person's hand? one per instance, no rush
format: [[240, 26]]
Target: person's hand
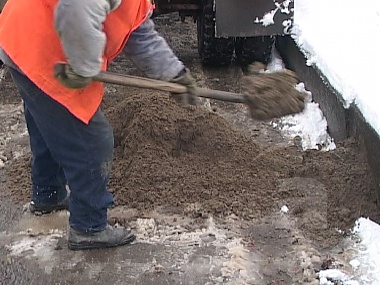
[[68, 78], [185, 78]]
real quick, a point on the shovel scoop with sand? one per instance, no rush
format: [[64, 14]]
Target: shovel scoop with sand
[[267, 95]]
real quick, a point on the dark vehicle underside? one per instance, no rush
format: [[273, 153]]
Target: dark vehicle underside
[[244, 30]]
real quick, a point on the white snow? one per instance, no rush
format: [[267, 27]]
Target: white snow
[[355, 263], [284, 209], [369, 249], [267, 20], [332, 274], [341, 38], [365, 258]]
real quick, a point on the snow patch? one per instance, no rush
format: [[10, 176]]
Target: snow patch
[[284, 209], [363, 253], [267, 19], [368, 249], [310, 126]]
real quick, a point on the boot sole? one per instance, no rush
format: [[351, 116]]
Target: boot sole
[[98, 245], [39, 211]]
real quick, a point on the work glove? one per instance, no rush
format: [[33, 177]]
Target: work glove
[[186, 79], [68, 78]]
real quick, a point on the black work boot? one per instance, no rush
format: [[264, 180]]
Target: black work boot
[[109, 237], [41, 209]]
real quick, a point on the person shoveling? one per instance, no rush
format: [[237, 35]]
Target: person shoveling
[[71, 140]]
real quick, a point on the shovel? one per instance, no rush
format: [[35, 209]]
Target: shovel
[[262, 105]]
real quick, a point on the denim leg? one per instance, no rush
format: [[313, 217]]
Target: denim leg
[[83, 151], [49, 181]]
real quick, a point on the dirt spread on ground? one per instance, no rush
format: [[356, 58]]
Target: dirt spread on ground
[[175, 157]]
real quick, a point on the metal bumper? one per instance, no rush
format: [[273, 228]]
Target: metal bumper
[[248, 18]]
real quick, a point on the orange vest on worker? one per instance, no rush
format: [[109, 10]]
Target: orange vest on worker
[[27, 35]]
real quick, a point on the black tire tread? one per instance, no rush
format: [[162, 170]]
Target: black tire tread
[[251, 49], [212, 51]]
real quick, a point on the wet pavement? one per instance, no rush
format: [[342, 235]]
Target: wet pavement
[[35, 251], [170, 249]]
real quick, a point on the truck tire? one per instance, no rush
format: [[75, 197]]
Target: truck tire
[[251, 49], [212, 51]]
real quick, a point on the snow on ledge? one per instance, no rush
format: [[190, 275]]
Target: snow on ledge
[[338, 38]]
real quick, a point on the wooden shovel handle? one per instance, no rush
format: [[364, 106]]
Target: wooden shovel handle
[[141, 82]]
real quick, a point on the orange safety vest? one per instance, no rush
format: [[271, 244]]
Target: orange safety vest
[[28, 36]]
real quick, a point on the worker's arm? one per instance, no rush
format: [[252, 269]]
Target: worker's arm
[[151, 53], [80, 27]]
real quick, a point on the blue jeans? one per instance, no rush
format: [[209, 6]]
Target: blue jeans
[[67, 151]]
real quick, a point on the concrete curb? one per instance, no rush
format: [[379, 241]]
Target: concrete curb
[[342, 122]]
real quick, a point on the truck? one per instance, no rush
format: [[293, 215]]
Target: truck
[[234, 30]]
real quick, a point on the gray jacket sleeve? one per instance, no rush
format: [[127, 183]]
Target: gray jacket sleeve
[[79, 24], [151, 53]]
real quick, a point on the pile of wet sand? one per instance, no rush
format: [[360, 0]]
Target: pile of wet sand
[[175, 157], [167, 155]]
